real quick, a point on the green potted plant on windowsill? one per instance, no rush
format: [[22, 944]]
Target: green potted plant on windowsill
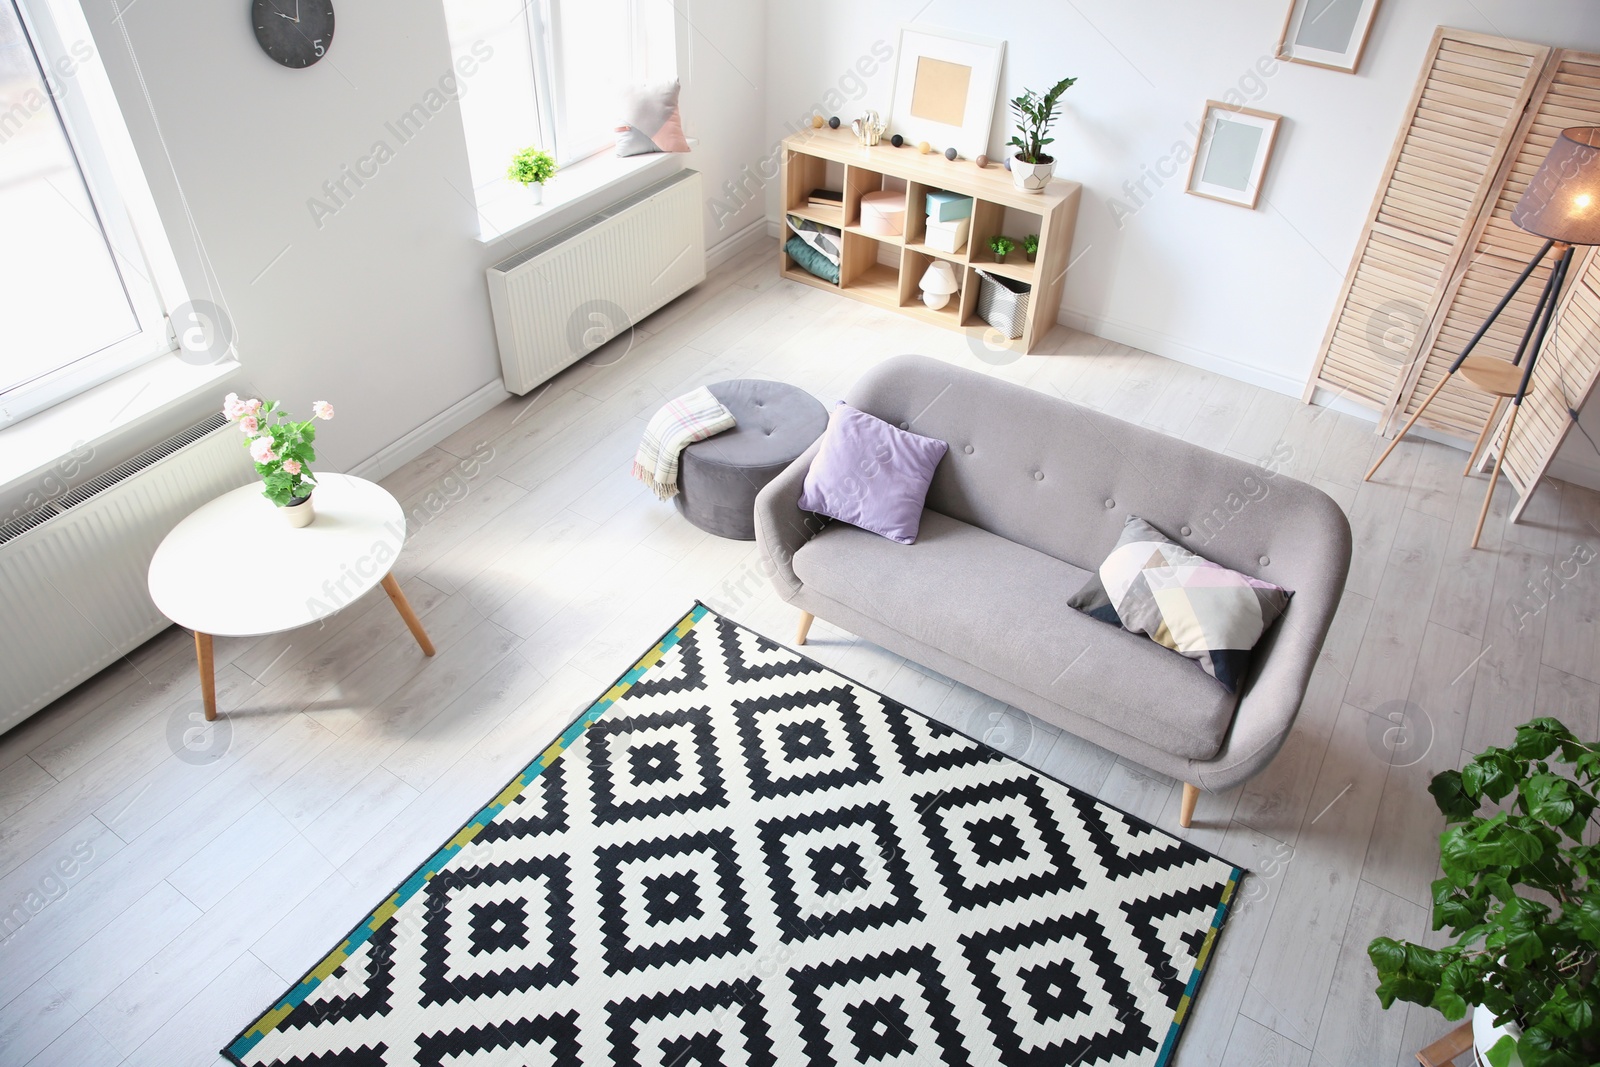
[[1001, 247], [1031, 165], [1519, 897], [532, 167]]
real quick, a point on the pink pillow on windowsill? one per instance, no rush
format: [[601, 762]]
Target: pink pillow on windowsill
[[871, 474], [655, 123]]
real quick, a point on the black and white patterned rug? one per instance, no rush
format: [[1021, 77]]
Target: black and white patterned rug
[[738, 857]]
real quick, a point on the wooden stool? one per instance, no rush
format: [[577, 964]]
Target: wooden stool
[[1500, 378], [1493, 377], [1445, 1050]]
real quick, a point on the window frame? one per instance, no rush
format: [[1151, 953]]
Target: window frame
[[85, 109]]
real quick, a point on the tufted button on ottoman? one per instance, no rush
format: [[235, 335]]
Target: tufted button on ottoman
[[718, 478]]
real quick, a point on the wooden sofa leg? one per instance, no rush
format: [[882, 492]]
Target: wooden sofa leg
[[805, 627], [1191, 795]]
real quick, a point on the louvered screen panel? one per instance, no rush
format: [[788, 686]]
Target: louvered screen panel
[[1438, 178], [1564, 376], [1567, 95]]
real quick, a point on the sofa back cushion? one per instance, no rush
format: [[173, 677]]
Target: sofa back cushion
[[1063, 479]]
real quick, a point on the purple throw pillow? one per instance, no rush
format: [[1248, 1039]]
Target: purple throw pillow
[[871, 474]]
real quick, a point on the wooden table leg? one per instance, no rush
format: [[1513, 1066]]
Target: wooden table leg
[[403, 606], [208, 673]]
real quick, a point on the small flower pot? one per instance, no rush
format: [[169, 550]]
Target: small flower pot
[[1031, 256], [1485, 1034], [1000, 257], [1031, 177], [299, 512], [537, 189]]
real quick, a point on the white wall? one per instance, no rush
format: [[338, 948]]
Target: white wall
[[382, 310], [1247, 293]]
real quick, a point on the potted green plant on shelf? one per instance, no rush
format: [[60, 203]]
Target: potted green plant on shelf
[[1030, 245], [1031, 165], [282, 451], [532, 167], [1001, 247], [1519, 899]]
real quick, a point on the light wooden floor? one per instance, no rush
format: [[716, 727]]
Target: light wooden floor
[[166, 900]]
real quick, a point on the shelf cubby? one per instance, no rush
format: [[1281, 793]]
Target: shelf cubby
[[886, 270]]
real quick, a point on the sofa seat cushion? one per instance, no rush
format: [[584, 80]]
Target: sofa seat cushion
[[1002, 607]]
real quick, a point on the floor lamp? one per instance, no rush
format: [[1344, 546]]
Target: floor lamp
[[1562, 205]]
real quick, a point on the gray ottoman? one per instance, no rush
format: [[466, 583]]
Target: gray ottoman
[[718, 478]]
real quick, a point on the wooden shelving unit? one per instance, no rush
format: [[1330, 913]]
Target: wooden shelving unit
[[886, 271]]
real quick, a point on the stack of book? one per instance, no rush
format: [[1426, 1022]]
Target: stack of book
[[949, 221], [825, 198]]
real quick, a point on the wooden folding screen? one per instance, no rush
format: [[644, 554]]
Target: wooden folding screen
[[1440, 249], [1460, 124]]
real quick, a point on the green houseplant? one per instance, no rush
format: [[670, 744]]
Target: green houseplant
[[1519, 896], [532, 167], [282, 450], [1001, 247], [1032, 165], [1030, 245]]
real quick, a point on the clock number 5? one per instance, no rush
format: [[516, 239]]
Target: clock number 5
[[317, 44]]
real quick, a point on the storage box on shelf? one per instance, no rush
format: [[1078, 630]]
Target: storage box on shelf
[[886, 269]]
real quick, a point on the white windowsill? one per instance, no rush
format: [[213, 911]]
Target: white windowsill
[[33, 447], [506, 210]]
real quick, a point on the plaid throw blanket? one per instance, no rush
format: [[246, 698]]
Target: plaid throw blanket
[[690, 418]]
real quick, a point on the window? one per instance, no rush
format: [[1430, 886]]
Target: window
[[79, 302], [552, 73]]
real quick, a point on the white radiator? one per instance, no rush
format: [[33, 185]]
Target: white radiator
[[558, 301], [73, 574]]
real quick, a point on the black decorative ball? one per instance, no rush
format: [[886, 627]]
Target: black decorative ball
[[950, 153], [897, 140], [833, 123]]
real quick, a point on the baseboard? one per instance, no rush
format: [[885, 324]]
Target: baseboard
[[1142, 337], [735, 243], [392, 457], [1576, 473], [774, 227]]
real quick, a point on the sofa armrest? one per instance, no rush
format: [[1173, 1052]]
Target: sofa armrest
[[1283, 667], [781, 527]]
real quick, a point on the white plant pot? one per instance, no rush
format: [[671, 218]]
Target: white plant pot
[[1031, 177], [299, 515], [1485, 1033], [537, 189]]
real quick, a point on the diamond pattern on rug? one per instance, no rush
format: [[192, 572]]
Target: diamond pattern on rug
[[648, 765], [797, 743], [838, 872], [738, 857], [1054, 993]]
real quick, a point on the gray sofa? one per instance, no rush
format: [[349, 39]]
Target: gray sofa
[[1029, 500]]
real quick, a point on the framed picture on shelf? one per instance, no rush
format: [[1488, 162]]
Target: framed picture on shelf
[[1230, 157], [945, 86], [1327, 33]]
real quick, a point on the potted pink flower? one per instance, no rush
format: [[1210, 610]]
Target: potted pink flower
[[282, 451]]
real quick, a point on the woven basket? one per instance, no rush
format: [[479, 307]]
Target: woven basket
[[1003, 303]]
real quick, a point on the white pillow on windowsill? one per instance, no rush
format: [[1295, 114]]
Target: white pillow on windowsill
[[506, 210]]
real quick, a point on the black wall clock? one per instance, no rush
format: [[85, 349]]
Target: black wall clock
[[296, 33]]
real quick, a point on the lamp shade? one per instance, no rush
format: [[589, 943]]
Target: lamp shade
[[1562, 202], [939, 278]]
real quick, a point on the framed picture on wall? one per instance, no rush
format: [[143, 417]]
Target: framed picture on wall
[[1327, 33], [1230, 157], [945, 85]]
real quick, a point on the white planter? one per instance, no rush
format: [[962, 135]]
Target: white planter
[[537, 189], [1485, 1033], [299, 515], [1031, 177]]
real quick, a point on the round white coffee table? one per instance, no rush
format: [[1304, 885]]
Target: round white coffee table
[[236, 568]]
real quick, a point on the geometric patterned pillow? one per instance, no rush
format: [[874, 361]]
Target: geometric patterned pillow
[[1199, 609], [654, 122], [825, 239]]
